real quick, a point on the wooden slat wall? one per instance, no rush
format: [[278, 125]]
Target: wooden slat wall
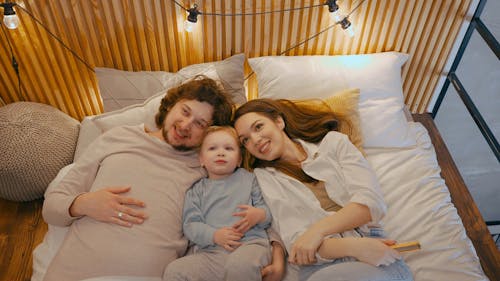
[[148, 35]]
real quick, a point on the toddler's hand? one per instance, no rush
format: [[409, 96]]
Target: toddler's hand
[[250, 217], [228, 238]]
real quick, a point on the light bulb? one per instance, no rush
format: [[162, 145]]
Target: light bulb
[[188, 26], [10, 18], [350, 31], [11, 21], [335, 16]]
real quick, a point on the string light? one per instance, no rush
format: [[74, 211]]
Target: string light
[[10, 18], [192, 18], [249, 14], [333, 8], [11, 21]]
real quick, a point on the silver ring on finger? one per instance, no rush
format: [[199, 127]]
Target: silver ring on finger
[[120, 215]]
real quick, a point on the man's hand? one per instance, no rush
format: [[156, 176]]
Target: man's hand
[[109, 205], [250, 217], [228, 238]]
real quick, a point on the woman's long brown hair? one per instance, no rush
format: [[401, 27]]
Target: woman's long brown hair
[[306, 120]]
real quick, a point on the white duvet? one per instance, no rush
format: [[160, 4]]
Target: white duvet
[[419, 208]]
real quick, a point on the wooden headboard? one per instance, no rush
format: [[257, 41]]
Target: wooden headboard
[[149, 35]]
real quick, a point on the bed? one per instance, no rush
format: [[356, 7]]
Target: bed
[[421, 204]]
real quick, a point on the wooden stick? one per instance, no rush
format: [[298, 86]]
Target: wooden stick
[[406, 246]]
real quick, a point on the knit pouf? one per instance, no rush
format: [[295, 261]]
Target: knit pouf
[[36, 141]]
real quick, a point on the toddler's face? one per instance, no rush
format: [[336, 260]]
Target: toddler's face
[[220, 154]]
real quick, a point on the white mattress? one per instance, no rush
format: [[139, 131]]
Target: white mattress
[[419, 208]]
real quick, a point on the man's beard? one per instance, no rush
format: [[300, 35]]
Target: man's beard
[[176, 147], [182, 148]]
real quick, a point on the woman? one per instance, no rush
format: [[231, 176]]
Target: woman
[[322, 193]]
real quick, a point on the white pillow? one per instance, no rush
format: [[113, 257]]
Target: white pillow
[[378, 76], [137, 85], [119, 88]]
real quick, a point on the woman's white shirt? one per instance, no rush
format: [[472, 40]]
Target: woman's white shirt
[[347, 175]]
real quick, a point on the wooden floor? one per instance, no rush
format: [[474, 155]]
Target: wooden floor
[[21, 229], [22, 226]]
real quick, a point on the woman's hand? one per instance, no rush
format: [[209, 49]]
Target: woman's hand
[[228, 238], [109, 205], [273, 272], [375, 251], [250, 217], [276, 269], [304, 249]]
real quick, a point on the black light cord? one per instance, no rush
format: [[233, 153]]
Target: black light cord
[[355, 8], [249, 14], [307, 39], [300, 43], [57, 38], [267, 12], [15, 65]]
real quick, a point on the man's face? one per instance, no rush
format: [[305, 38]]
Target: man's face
[[186, 122]]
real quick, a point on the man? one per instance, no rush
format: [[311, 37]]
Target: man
[[123, 197]]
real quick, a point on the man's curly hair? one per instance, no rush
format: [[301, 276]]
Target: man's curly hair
[[202, 89]]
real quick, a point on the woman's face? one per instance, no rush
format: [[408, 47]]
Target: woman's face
[[263, 137]]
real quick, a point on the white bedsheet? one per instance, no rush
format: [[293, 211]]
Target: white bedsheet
[[419, 208]]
